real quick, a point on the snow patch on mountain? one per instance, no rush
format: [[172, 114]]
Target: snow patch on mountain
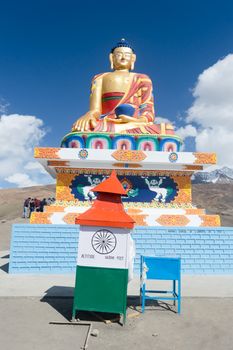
[[223, 175]]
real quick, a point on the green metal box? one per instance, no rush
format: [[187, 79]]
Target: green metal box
[[100, 289]]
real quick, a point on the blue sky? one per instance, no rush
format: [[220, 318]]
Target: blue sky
[[50, 50]]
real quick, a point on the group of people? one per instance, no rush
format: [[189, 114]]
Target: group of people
[[34, 204]]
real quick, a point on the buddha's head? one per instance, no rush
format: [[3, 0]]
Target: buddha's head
[[122, 56]]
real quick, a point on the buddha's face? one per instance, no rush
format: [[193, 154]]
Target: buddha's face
[[122, 58]]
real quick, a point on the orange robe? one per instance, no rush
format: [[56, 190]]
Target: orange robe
[[139, 95]]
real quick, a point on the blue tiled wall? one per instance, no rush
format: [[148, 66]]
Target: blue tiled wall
[[53, 248], [43, 248]]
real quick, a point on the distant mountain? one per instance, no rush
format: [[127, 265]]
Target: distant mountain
[[221, 176]]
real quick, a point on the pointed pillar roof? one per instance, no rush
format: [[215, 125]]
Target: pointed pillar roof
[[111, 185], [107, 209]]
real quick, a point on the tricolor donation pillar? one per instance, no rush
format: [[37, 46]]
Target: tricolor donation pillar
[[105, 252]]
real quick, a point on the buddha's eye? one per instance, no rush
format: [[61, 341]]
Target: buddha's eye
[[121, 55]]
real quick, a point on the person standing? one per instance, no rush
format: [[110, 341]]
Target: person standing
[[42, 204], [26, 208], [31, 206]]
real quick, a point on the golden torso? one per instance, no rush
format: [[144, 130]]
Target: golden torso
[[117, 81], [122, 59]]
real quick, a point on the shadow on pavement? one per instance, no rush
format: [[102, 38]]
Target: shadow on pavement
[[5, 267], [6, 256], [60, 298], [64, 305], [59, 292], [134, 303]]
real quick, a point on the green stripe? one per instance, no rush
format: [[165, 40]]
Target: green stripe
[[112, 98]]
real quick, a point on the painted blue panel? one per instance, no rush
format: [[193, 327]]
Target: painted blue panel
[[166, 268], [139, 189]]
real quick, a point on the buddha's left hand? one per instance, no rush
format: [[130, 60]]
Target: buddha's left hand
[[122, 118]]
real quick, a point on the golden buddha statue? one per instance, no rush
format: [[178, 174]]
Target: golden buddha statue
[[120, 100]]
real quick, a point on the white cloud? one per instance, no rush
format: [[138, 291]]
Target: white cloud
[[3, 106], [35, 166], [187, 131], [183, 132], [19, 134], [160, 120], [21, 180], [212, 111]]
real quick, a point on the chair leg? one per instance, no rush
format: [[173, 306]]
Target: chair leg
[[141, 285], [179, 297], [174, 291], [143, 298]]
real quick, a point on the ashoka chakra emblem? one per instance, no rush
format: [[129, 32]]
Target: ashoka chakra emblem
[[103, 241]]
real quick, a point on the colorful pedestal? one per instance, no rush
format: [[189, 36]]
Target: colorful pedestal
[[158, 184], [165, 141]]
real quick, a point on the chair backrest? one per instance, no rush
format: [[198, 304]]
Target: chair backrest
[[161, 268]]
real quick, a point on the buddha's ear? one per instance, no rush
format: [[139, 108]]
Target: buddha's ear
[[133, 61], [111, 60]]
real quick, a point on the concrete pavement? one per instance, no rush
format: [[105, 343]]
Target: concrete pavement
[[204, 324], [62, 285], [29, 303]]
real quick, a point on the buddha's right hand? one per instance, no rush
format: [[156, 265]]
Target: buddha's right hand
[[87, 122]]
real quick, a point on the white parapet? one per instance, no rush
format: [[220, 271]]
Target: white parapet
[[77, 158]]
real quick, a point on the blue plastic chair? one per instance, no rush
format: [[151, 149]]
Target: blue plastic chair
[[155, 268]]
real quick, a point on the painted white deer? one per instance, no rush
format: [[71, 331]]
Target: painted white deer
[[161, 192], [87, 190]]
